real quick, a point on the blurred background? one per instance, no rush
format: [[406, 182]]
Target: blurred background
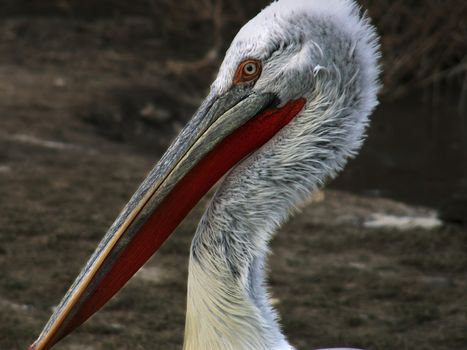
[[91, 94]]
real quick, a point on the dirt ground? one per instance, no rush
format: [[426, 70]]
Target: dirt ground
[[84, 116]]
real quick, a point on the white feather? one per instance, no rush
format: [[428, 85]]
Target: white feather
[[325, 51]]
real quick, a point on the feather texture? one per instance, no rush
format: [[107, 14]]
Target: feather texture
[[327, 52]]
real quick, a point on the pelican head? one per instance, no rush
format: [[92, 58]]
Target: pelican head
[[289, 106]]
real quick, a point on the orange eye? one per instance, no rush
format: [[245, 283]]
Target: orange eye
[[247, 71]]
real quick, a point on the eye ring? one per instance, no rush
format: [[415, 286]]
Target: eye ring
[[247, 71]]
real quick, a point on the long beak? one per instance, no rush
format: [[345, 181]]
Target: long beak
[[223, 131]]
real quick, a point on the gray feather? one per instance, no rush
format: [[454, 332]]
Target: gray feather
[[327, 52]]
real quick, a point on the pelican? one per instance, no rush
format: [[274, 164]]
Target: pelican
[[288, 108]]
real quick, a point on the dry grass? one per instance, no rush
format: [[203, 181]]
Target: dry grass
[[424, 43]]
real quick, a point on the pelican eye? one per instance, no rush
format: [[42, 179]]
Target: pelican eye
[[247, 71], [249, 68]]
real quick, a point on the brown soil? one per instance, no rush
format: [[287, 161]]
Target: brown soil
[[85, 114]]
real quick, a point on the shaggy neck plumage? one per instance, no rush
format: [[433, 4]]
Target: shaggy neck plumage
[[227, 306], [227, 303]]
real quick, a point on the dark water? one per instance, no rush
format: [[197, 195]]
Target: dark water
[[417, 153]]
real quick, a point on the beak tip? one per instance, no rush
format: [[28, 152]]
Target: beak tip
[[34, 345]]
